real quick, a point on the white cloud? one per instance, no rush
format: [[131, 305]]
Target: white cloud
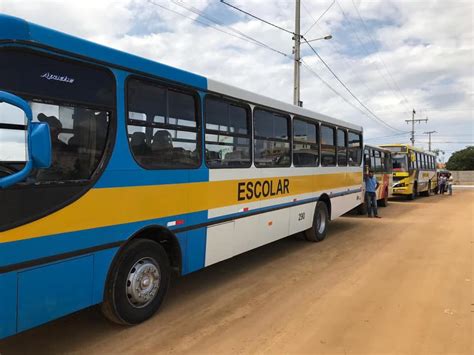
[[424, 48]]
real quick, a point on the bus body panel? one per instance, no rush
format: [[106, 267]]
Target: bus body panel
[[202, 207]]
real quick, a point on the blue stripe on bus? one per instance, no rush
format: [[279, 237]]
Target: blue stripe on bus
[[42, 247]]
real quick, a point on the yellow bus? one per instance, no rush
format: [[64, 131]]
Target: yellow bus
[[414, 171]]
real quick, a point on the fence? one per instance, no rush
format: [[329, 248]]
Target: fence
[[463, 177]]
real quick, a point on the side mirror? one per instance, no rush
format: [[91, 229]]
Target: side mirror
[[38, 141]]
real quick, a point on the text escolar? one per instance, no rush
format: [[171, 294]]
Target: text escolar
[[256, 189]]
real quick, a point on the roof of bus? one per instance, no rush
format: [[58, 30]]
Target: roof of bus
[[19, 30], [409, 146], [377, 147]]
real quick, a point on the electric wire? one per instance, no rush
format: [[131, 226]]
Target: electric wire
[[378, 119], [257, 18], [319, 18], [254, 41], [246, 38], [377, 67], [375, 47]]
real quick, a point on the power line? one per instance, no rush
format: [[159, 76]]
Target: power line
[[349, 90], [242, 37], [257, 18], [362, 81], [449, 142], [319, 18], [381, 60], [331, 88], [390, 136], [354, 31]]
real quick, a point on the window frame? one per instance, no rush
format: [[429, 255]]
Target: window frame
[[51, 100], [317, 124], [249, 136], [166, 85], [346, 146], [285, 115], [361, 147], [334, 130]]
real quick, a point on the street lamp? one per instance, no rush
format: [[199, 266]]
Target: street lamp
[[317, 39]]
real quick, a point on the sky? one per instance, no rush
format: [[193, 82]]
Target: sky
[[393, 56]]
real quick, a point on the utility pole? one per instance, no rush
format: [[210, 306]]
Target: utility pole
[[297, 53], [429, 138], [413, 125]]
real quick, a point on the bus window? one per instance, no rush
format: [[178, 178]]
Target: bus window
[[388, 162], [377, 161], [341, 147], [367, 163], [355, 149], [78, 131], [78, 137], [162, 126], [328, 146], [272, 139], [13, 144], [227, 134], [305, 143], [399, 162]]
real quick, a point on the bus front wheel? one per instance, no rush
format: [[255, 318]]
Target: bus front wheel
[[318, 231], [414, 193], [137, 283]]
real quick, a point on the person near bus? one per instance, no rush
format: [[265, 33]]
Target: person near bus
[[442, 184], [450, 184], [371, 186]]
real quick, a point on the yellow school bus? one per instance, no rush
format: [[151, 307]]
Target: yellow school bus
[[414, 171]]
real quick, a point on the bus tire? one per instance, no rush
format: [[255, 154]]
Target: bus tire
[[318, 231], [137, 283], [427, 193], [384, 201], [414, 193]]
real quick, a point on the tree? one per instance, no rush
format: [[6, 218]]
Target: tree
[[462, 159]]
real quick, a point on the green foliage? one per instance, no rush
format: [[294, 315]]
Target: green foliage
[[462, 159]]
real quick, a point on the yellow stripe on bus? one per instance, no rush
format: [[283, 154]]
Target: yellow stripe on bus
[[112, 206]]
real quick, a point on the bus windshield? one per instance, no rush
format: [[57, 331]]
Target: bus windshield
[[399, 162]]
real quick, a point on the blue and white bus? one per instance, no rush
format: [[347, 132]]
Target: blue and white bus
[[117, 171]]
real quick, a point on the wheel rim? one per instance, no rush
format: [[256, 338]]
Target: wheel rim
[[321, 221], [143, 282]]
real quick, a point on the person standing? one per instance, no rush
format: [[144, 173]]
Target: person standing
[[450, 184], [442, 184], [371, 186]]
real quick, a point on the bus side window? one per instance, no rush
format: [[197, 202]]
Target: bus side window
[[367, 159], [272, 139], [341, 147], [162, 126], [305, 143], [328, 146], [355, 149], [227, 134]]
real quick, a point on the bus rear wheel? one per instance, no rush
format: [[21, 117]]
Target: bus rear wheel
[[427, 193], [318, 231], [384, 201], [137, 283]]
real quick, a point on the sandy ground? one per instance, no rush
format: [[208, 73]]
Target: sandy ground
[[402, 284]]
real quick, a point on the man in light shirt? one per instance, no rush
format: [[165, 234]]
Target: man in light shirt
[[371, 186]]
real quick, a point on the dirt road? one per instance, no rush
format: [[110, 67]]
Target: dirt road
[[402, 284]]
